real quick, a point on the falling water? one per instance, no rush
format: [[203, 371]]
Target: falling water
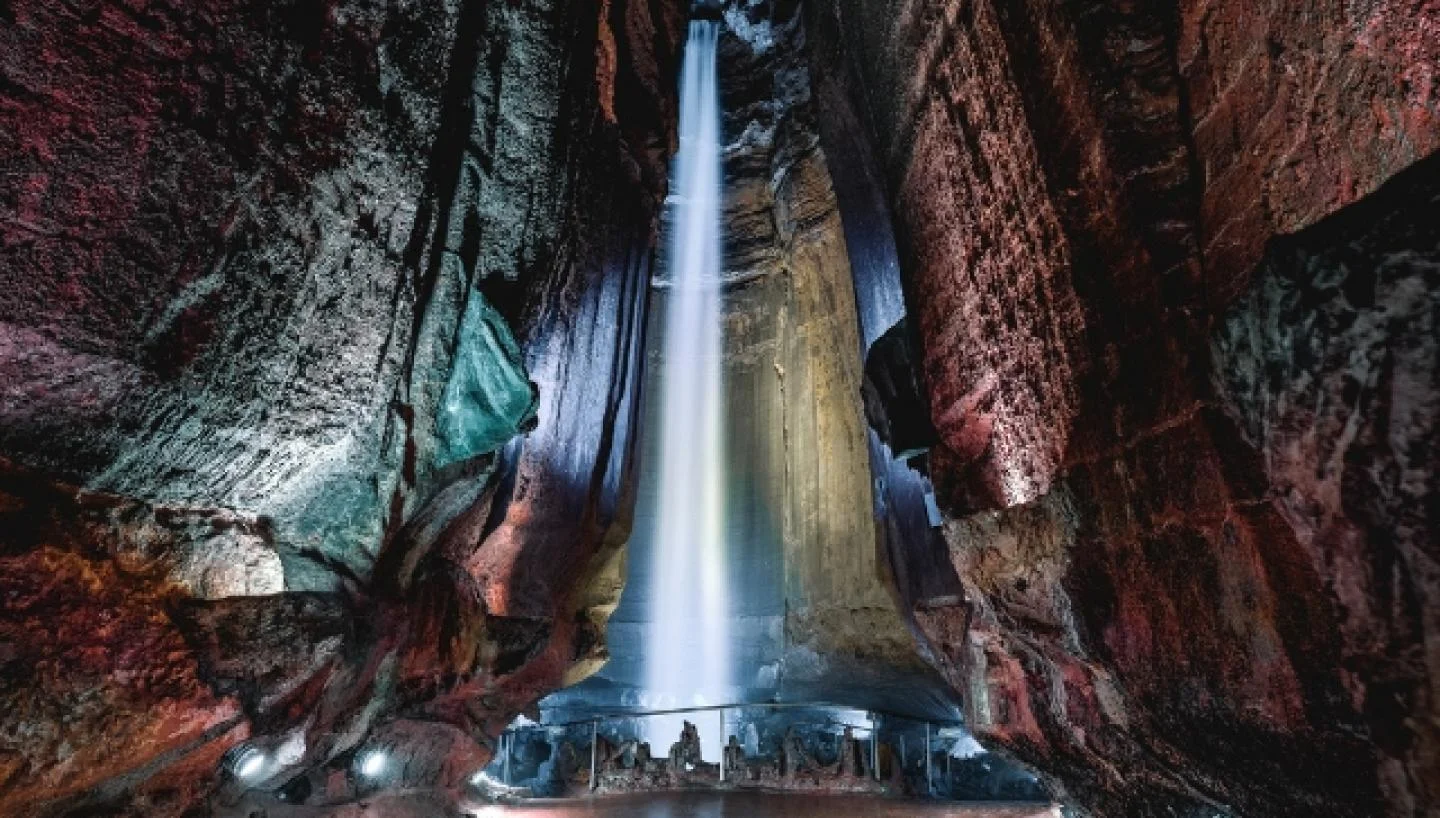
[[688, 655]]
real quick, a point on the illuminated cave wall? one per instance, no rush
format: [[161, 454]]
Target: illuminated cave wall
[[279, 282], [1180, 599]]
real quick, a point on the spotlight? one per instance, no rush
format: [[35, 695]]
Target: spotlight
[[249, 764], [372, 763]]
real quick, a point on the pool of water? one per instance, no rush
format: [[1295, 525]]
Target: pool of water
[[760, 805]]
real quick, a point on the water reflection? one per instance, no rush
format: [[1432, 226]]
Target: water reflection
[[760, 805]]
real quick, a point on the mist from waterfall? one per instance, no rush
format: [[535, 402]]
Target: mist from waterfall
[[688, 651]]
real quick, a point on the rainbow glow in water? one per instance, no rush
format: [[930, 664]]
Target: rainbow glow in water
[[688, 655]]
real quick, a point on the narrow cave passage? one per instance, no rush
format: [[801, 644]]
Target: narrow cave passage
[[812, 641]]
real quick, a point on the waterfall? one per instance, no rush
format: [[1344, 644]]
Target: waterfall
[[688, 650]]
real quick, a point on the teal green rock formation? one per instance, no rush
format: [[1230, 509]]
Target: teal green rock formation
[[488, 398]]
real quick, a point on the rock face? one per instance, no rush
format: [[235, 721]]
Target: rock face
[[1298, 110], [280, 284], [997, 339], [1331, 365], [793, 370], [1163, 616], [213, 225]]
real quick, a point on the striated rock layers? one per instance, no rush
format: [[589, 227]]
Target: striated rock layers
[[284, 287], [796, 433], [321, 332], [1180, 599]]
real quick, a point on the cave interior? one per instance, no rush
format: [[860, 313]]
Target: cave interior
[[1074, 419]]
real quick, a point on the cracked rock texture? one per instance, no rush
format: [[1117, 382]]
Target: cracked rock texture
[[1298, 109], [267, 390], [1331, 365], [1169, 608]]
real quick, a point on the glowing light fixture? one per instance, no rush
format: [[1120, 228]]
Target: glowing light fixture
[[250, 764], [373, 763]]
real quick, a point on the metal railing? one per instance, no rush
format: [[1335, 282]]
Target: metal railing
[[872, 725]]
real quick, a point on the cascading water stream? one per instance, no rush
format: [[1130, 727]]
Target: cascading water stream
[[688, 650], [722, 563]]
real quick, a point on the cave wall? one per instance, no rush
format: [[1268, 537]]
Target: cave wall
[[1078, 191], [320, 335], [793, 369], [204, 268], [1298, 109], [280, 285], [1329, 363], [999, 361]]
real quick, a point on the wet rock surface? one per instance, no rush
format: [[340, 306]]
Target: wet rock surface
[[1145, 624], [813, 618], [794, 372], [259, 370]]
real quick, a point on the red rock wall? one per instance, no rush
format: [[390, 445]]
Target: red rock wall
[[136, 131], [992, 290], [1330, 365], [1299, 108], [1150, 633], [98, 681]]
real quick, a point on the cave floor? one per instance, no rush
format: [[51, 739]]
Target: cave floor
[[763, 805]]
